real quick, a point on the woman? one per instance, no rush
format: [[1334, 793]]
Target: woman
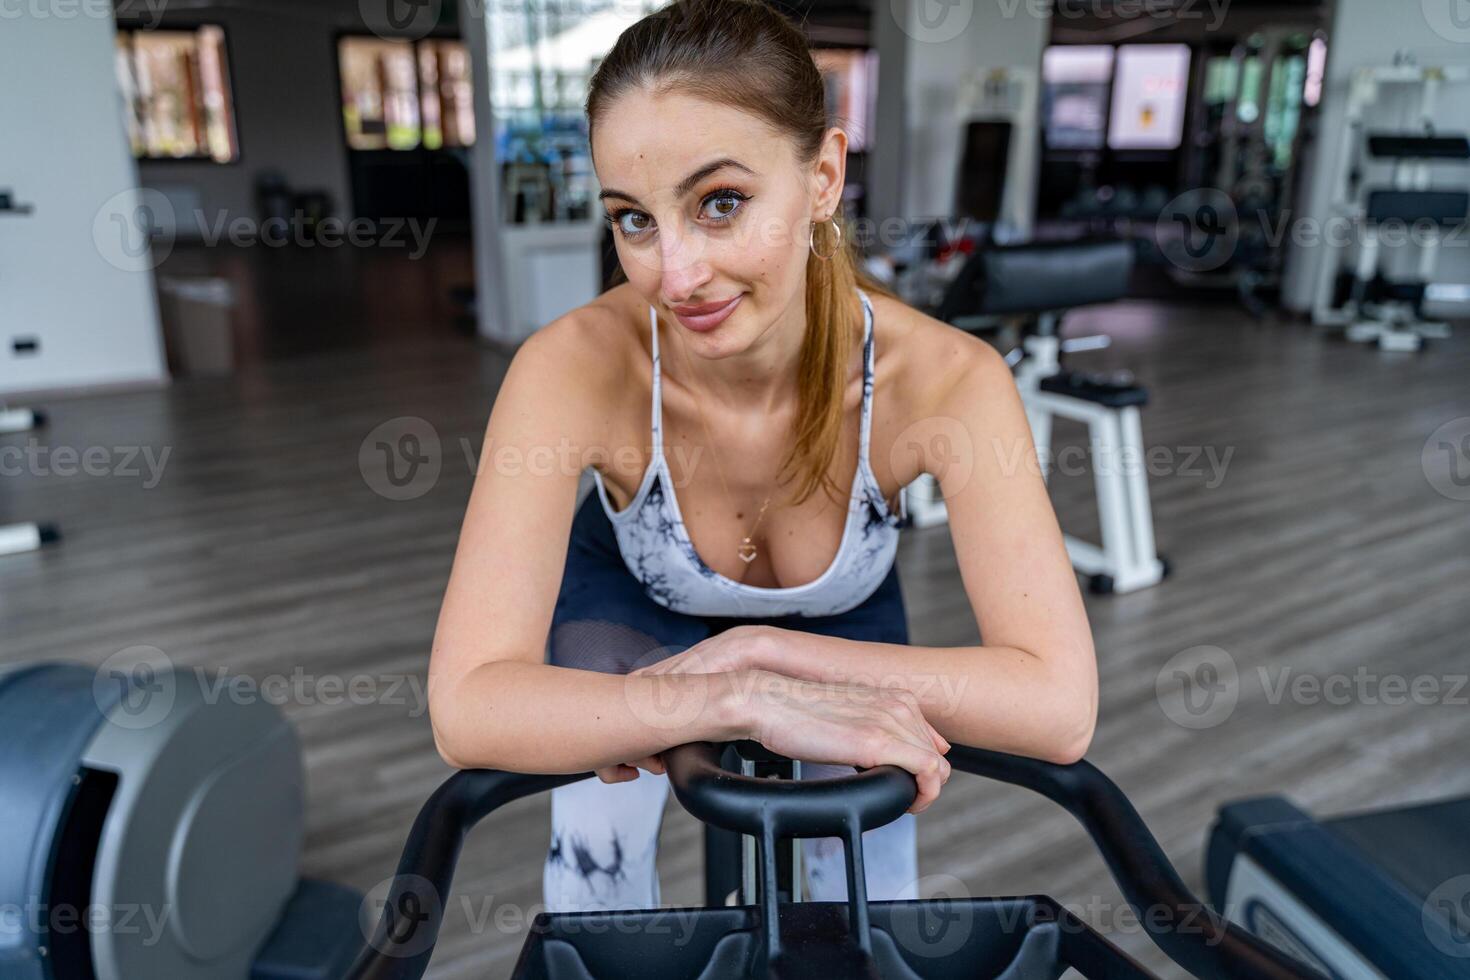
[[751, 407]]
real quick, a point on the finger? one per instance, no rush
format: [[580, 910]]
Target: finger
[[927, 766], [911, 727], [620, 773]]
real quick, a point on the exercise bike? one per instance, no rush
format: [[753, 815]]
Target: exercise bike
[[768, 936]]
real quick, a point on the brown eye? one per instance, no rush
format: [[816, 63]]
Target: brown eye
[[724, 204]]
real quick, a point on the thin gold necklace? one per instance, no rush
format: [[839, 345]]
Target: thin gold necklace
[[747, 549]]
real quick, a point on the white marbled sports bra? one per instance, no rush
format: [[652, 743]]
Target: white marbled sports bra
[[657, 549]]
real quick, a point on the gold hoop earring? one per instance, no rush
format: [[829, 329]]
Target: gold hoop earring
[[813, 240]]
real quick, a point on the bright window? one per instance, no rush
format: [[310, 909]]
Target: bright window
[[1149, 91], [1076, 80], [399, 95], [176, 88]]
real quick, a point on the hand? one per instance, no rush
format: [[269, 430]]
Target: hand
[[737, 648], [847, 724], [624, 771]]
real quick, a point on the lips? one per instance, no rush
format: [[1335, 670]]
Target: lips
[[707, 316]]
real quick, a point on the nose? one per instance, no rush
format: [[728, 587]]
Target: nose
[[683, 267]]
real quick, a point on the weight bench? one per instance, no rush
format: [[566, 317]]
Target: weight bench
[[1041, 281]]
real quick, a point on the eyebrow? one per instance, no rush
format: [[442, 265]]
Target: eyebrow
[[688, 183]]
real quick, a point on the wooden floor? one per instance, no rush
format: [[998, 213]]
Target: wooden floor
[[1324, 549]]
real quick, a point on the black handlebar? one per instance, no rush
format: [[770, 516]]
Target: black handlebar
[[404, 937], [1185, 928], [805, 808], [1189, 931]]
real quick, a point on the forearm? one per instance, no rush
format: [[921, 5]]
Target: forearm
[[533, 717], [993, 697]]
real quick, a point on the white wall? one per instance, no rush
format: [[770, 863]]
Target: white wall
[[1366, 33], [942, 44], [67, 274]]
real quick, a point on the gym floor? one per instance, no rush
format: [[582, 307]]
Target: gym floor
[[1319, 548]]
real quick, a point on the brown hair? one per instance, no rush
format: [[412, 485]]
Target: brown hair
[[746, 54]]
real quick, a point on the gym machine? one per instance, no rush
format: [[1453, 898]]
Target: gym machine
[[1383, 895], [1040, 282], [1379, 308], [27, 536], [153, 833], [770, 935]]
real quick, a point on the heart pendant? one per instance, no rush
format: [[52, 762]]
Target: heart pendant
[[746, 551]]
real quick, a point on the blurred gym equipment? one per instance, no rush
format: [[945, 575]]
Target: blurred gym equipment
[[1377, 307], [1040, 282], [25, 536], [174, 816], [1371, 895]]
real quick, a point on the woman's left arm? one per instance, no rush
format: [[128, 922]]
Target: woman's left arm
[[1031, 688]]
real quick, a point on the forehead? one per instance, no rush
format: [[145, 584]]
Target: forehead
[[647, 143]]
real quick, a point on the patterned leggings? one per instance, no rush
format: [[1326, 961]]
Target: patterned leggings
[[604, 836]]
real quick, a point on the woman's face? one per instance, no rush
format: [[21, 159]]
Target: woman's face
[[693, 234]]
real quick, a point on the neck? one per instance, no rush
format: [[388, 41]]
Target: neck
[[762, 378]]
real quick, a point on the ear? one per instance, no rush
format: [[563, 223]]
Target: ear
[[829, 175]]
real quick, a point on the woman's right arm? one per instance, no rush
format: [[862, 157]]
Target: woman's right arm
[[493, 702]]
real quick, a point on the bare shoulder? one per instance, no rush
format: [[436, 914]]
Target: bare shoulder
[[579, 366], [933, 363]]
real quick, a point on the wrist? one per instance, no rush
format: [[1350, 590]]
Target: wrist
[[761, 649], [733, 704]]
